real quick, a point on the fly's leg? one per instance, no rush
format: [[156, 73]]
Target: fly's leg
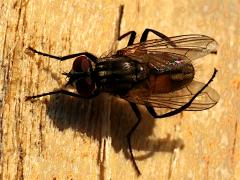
[[60, 91], [131, 39], [185, 106], [145, 35], [129, 134], [63, 58], [161, 35]]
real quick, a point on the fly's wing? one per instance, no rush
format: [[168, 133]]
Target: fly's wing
[[192, 46], [163, 56], [174, 100]]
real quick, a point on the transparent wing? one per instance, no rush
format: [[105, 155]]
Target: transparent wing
[[174, 100], [191, 46]]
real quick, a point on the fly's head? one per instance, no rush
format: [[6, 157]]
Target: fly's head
[[80, 76]]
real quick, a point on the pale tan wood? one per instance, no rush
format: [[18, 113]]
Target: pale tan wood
[[63, 138]]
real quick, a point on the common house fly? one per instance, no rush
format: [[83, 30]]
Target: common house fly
[[156, 73]]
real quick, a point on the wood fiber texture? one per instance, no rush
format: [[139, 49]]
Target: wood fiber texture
[[59, 137]]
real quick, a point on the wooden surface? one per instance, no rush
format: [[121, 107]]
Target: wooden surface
[[59, 137]]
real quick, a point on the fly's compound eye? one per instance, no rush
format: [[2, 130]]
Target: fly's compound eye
[[82, 64], [81, 76]]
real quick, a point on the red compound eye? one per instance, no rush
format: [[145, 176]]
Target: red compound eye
[[81, 64], [85, 87]]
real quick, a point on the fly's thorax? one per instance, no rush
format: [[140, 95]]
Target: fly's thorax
[[81, 77], [120, 68], [120, 74], [173, 79]]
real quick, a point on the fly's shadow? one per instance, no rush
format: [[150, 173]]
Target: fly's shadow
[[122, 120], [88, 117]]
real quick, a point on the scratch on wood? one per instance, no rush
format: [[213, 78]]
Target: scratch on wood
[[102, 168], [3, 94], [138, 6], [19, 133], [206, 172], [118, 27], [234, 143], [41, 137], [20, 162], [19, 16], [119, 22], [173, 157]]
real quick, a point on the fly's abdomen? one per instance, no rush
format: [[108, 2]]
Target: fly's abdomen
[[120, 75], [172, 80]]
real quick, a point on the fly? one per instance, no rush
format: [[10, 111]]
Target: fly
[[156, 73]]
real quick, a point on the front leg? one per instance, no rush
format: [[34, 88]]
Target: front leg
[[61, 91], [63, 58]]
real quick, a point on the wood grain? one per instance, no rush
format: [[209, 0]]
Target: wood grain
[[59, 137]]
